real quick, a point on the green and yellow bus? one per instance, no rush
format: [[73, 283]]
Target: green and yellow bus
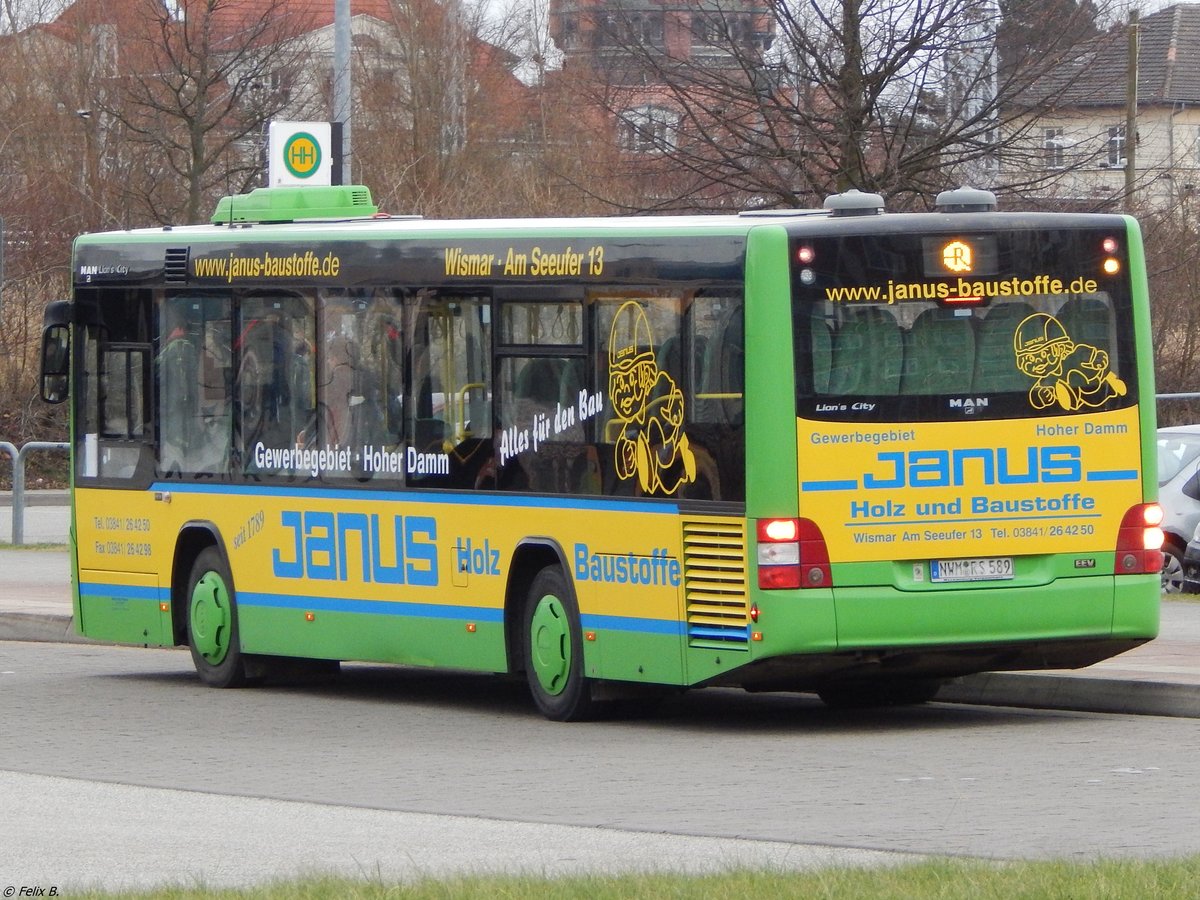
[[842, 451]]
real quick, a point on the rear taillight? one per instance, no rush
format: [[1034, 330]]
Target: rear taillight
[[792, 554], [1139, 541]]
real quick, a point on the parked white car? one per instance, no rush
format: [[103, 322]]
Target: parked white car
[[1179, 495]]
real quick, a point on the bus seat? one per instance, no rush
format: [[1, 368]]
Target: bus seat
[[536, 390], [822, 354], [668, 358], [725, 371], [995, 360], [1087, 321], [699, 355], [429, 434], [539, 380], [939, 354], [868, 354], [570, 382]]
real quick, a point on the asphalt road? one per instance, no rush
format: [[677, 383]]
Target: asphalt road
[[117, 767]]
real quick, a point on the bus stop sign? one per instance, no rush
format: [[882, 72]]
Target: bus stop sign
[[300, 153]]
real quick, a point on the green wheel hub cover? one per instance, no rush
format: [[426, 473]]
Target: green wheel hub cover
[[550, 642], [210, 614]]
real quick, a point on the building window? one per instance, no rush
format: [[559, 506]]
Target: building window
[[1116, 146], [648, 129], [1054, 147], [628, 30]]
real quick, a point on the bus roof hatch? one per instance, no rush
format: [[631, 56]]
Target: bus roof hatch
[[854, 203], [965, 199], [292, 204]]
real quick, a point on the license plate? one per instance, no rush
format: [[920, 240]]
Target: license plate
[[996, 568]]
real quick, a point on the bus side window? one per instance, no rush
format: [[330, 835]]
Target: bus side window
[[192, 371], [449, 412], [359, 374], [115, 425], [179, 387], [389, 336], [274, 372]]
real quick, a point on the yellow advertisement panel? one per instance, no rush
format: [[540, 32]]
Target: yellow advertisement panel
[[392, 553], [977, 488]]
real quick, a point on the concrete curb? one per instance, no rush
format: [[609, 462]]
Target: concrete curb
[[1079, 693], [37, 497], [40, 627]]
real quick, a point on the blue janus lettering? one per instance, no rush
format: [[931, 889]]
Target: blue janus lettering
[[323, 541], [476, 560], [979, 465], [626, 568]]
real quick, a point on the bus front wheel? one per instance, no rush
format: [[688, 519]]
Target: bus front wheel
[[554, 649], [212, 622]]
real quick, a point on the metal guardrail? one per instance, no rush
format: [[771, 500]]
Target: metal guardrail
[[18, 479]]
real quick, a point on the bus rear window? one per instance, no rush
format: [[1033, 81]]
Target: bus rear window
[[912, 327]]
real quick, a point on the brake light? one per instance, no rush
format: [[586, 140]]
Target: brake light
[[963, 301], [792, 554], [1139, 541]]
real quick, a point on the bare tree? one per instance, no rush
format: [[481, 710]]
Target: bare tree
[[1173, 265], [783, 103], [191, 93]]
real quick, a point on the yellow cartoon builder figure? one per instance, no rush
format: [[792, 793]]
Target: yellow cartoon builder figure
[[649, 406], [1072, 375]]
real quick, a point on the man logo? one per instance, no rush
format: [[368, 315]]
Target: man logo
[[970, 405]]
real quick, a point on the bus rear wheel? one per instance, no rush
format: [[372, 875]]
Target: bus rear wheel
[[554, 649], [212, 622]]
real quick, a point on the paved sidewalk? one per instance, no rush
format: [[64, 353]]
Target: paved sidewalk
[[1158, 678]]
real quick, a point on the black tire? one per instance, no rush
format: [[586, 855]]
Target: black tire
[[883, 692], [553, 649], [212, 624]]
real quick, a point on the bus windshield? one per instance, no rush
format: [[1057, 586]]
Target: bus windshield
[[933, 327]]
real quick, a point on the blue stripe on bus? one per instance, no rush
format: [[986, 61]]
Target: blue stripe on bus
[[370, 607], [384, 608], [848, 485], [734, 635], [451, 499], [1113, 475], [672, 627], [123, 591]]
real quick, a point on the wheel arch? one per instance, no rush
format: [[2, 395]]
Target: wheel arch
[[530, 557], [193, 538]]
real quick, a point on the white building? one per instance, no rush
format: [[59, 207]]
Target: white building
[[1077, 153]]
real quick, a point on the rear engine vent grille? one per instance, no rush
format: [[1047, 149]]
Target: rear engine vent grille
[[714, 580]]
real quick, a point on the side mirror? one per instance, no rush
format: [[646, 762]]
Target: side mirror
[[56, 356]]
